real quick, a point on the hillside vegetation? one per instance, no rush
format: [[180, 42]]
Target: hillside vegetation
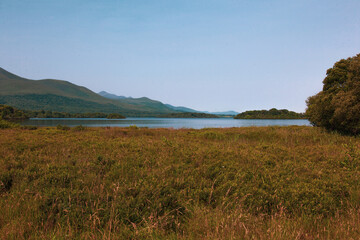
[[11, 113], [63, 96], [270, 114], [115, 116], [50, 114], [131, 183]]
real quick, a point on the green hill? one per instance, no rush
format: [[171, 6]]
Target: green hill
[[146, 102], [182, 109], [63, 96], [11, 84]]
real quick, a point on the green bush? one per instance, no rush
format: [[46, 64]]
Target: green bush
[[6, 181], [29, 127], [337, 106], [79, 128], [8, 112], [62, 127], [5, 124]]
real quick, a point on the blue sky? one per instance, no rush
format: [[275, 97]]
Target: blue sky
[[205, 54]]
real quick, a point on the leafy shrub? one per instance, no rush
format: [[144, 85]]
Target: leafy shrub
[[79, 128], [6, 181], [212, 135], [8, 112], [337, 106], [29, 127], [133, 127], [62, 127], [5, 124]]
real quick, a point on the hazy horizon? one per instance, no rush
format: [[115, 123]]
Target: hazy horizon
[[207, 55]]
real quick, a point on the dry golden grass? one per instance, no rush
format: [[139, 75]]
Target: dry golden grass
[[130, 183]]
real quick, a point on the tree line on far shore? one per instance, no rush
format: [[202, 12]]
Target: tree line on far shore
[[270, 114], [11, 113]]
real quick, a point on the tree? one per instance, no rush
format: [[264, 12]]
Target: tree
[[10, 113], [337, 106]]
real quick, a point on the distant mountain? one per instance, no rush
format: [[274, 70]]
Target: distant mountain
[[11, 84], [63, 96], [114, 96], [177, 109], [228, 113], [181, 109], [111, 96], [147, 101], [143, 101]]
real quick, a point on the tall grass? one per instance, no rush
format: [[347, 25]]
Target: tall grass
[[133, 183]]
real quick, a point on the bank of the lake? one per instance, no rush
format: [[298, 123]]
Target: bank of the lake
[[293, 182]]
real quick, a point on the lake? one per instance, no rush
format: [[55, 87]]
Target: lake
[[196, 123]]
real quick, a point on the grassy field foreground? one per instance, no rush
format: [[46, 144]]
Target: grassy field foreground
[[121, 183]]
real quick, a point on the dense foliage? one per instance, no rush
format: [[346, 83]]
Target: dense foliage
[[6, 124], [115, 116], [50, 102], [51, 114], [188, 115], [270, 114], [337, 106], [131, 183], [54, 103], [10, 113]]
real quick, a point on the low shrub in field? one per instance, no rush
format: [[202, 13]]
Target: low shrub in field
[[62, 127], [133, 127], [28, 127], [212, 135], [6, 181], [5, 124], [79, 128]]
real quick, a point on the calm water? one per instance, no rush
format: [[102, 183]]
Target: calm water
[[163, 122]]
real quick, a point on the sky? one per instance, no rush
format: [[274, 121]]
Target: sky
[[213, 55]]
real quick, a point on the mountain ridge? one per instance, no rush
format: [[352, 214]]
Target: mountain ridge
[[60, 95], [176, 108], [64, 96], [111, 96]]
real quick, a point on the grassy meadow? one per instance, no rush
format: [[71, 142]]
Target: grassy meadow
[[132, 183]]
